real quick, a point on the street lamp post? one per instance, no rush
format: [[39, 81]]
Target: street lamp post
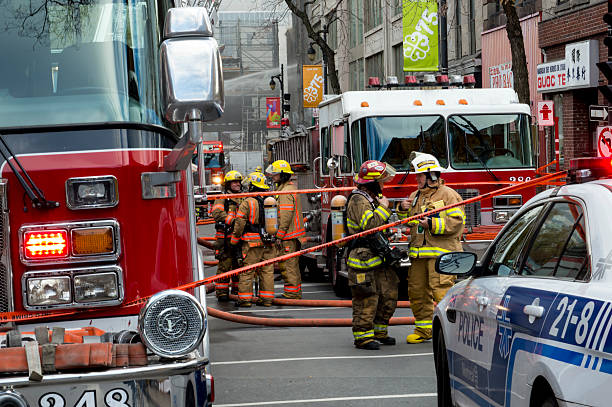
[[312, 54], [280, 77]]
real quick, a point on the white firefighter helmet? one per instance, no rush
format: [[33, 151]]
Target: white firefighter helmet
[[424, 163]]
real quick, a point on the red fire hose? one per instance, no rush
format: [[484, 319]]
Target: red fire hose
[[296, 322]]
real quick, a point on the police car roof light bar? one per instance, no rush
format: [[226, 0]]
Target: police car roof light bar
[[589, 169]]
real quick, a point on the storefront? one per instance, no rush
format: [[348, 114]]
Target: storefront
[[569, 77]]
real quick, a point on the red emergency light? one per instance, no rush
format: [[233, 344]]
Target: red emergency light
[[212, 146], [374, 81], [45, 244], [411, 80], [589, 169]]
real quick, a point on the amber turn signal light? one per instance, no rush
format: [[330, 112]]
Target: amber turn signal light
[[92, 241]]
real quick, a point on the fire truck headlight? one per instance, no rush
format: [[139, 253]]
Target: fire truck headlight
[[95, 287], [501, 216], [92, 192], [48, 291], [217, 180], [172, 324]]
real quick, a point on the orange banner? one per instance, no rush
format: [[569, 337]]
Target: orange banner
[[312, 76]]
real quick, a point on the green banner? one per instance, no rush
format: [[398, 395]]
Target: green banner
[[420, 29]]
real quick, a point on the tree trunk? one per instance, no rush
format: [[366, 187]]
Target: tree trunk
[[328, 53], [517, 47]]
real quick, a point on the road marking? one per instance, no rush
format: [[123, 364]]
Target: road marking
[[259, 309], [331, 399], [399, 355]]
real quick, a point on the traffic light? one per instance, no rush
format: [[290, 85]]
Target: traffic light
[[606, 67], [286, 99]]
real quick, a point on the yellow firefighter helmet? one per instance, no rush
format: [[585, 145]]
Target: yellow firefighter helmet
[[232, 176], [259, 180], [278, 167]]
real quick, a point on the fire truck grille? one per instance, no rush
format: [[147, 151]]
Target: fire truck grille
[[472, 211], [4, 295], [6, 298]]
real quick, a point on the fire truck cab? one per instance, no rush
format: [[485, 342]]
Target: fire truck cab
[[482, 137], [97, 214]]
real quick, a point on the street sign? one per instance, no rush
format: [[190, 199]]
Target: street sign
[[598, 113], [604, 141], [545, 113]]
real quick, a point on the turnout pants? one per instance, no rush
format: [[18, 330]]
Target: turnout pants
[[374, 302], [266, 274], [425, 286], [290, 270], [226, 263]]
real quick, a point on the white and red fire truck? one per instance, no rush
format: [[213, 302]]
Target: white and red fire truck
[[482, 137], [97, 206]]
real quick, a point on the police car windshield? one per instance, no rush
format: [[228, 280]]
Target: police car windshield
[[490, 141], [392, 138], [78, 61]]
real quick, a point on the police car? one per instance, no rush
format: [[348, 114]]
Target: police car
[[530, 326]]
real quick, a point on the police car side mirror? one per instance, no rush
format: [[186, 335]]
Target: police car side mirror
[[456, 263]]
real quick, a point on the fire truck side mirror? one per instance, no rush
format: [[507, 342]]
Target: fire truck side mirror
[[192, 78], [337, 147]]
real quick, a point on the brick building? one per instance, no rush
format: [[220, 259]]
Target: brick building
[[568, 27]]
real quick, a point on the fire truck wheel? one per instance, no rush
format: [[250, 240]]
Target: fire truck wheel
[[338, 282]]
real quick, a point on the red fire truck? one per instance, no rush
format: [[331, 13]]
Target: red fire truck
[[481, 136], [97, 206]]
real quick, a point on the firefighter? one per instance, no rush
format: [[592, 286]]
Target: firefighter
[[224, 214], [259, 169], [257, 245], [290, 227], [430, 237], [373, 282]]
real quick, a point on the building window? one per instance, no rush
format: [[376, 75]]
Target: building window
[[375, 66], [398, 62], [458, 50], [397, 7], [356, 23], [472, 17], [356, 75], [332, 32], [373, 14]]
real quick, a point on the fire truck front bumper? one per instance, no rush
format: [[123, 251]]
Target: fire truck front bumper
[[176, 384]]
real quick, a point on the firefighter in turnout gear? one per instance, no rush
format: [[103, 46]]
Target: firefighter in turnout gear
[[429, 238], [224, 214], [372, 280], [290, 227], [257, 245]]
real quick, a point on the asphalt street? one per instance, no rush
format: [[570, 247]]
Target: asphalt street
[[263, 366]]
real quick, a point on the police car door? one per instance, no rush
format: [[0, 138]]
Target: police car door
[[543, 313], [474, 337]]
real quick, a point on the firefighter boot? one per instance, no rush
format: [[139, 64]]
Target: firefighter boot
[[416, 338], [223, 298], [368, 344], [385, 340], [243, 304]]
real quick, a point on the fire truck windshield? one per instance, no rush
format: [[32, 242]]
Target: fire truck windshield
[[392, 138], [68, 62], [490, 141]]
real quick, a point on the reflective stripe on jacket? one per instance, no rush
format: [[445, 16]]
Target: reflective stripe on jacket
[[290, 222], [248, 212], [362, 215], [219, 213], [446, 227]]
